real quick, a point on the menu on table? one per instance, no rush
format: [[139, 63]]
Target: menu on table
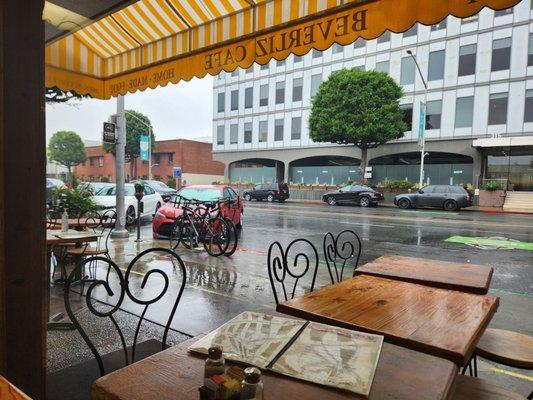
[[310, 351]]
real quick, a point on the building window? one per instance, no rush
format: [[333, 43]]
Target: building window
[[467, 60], [263, 95], [170, 158], [469, 20], [278, 130], [498, 109], [407, 73], [234, 100], [91, 161], [436, 65], [157, 158], [337, 48], [235, 73], [383, 66], [247, 132], [264, 66], [297, 59], [433, 117], [280, 63], [249, 97], [441, 25], [501, 54], [297, 89], [234, 133], [528, 114], [221, 106], [100, 161], [464, 112], [412, 31], [296, 128], [220, 134], [408, 115], [317, 53], [316, 80], [250, 69], [501, 13], [359, 43], [530, 50], [385, 37], [263, 131], [280, 92]]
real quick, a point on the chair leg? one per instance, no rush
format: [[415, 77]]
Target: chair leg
[[475, 364], [530, 397]]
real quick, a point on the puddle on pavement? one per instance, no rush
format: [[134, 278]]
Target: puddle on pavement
[[491, 243]]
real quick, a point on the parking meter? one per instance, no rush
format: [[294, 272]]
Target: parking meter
[[139, 193]]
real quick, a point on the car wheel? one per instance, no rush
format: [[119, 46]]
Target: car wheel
[[247, 197], [281, 200], [450, 205], [404, 203], [270, 198], [331, 201], [130, 215], [364, 201]]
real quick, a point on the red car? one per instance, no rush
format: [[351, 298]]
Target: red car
[[166, 215]]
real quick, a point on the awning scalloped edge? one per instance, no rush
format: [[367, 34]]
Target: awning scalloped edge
[[342, 25]]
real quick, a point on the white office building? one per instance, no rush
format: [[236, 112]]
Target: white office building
[[479, 73]]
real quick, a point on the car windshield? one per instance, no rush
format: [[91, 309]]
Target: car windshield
[[129, 190], [157, 185], [345, 188], [202, 194]]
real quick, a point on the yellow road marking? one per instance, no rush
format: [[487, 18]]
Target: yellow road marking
[[511, 373]]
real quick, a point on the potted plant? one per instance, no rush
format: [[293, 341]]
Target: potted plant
[[491, 194]]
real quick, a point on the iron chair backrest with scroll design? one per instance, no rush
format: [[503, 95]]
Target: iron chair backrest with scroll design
[[339, 251], [284, 274], [104, 224], [125, 291]]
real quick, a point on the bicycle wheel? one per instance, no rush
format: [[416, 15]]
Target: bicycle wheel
[[216, 238], [233, 238], [184, 233]]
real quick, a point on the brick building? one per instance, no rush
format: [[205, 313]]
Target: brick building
[[194, 158]]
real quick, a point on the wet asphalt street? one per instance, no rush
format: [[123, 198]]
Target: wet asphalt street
[[217, 289]]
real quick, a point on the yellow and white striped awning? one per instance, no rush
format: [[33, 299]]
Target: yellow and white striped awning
[[154, 42]]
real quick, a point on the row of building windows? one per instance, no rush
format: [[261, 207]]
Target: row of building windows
[[501, 61], [464, 113]]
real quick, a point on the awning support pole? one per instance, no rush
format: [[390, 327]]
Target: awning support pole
[[120, 228]]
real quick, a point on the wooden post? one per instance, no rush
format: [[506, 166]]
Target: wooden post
[[22, 196]]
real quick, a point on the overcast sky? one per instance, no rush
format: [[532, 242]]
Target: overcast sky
[[184, 110]]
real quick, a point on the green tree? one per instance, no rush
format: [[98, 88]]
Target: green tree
[[358, 108], [136, 125], [67, 148]]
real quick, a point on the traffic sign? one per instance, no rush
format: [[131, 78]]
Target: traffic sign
[[176, 172], [109, 133]]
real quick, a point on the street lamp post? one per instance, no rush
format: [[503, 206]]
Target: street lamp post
[[423, 138]]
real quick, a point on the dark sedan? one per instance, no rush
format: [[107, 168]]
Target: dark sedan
[[448, 197], [353, 194], [161, 188]]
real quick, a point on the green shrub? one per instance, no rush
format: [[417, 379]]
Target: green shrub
[[77, 201], [399, 184], [492, 185], [171, 182], [104, 179]]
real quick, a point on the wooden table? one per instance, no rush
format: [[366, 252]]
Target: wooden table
[[174, 374], [440, 322], [470, 278], [10, 392]]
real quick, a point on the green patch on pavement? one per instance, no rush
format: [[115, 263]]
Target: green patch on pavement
[[490, 243]]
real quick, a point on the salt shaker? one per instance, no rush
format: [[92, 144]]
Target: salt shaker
[[252, 386], [214, 365]]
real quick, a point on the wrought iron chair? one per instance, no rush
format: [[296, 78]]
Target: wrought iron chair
[[287, 276], [340, 250], [74, 382]]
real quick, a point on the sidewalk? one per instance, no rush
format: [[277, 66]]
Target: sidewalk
[[493, 210]]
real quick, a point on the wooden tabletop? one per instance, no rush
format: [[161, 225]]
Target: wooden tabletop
[[175, 374], [440, 322], [470, 278], [10, 392], [506, 347], [69, 237]]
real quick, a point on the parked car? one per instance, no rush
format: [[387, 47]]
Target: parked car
[[52, 184], [448, 197], [267, 191], [353, 194], [232, 209], [106, 199], [161, 188], [96, 186]]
